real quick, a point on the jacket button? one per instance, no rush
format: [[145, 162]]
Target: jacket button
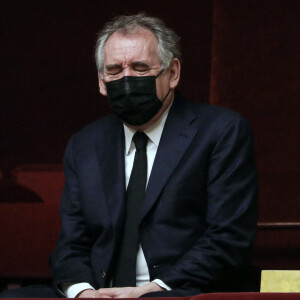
[[103, 274]]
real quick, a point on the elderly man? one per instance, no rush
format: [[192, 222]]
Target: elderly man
[[160, 197]]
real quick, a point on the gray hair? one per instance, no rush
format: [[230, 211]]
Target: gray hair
[[168, 40]]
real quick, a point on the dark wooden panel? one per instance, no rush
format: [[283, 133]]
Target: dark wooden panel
[[255, 71], [277, 246]]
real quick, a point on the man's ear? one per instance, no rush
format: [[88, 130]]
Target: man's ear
[[102, 86], [175, 68]]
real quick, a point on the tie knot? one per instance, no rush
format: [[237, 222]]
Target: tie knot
[[140, 140]]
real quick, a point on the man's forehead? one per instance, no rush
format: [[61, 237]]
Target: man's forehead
[[136, 33], [138, 44]]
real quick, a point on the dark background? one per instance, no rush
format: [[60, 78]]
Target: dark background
[[50, 79], [236, 53]]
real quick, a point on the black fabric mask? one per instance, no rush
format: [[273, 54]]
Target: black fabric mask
[[133, 98]]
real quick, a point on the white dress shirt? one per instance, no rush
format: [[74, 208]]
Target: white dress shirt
[[154, 133]]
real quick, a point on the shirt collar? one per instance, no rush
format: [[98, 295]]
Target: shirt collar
[[153, 132]]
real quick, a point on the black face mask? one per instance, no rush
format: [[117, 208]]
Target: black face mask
[[133, 98]]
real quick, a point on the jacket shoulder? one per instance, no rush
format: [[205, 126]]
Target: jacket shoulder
[[208, 114], [97, 128], [216, 113]]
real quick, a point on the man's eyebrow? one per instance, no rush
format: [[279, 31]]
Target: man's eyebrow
[[134, 64], [140, 63]]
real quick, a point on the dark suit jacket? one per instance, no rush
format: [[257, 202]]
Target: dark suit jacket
[[199, 216]]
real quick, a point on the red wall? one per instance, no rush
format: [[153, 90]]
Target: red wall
[[256, 71]]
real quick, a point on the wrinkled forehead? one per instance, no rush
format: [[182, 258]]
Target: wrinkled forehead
[[134, 44]]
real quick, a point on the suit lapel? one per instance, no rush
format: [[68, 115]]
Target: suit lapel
[[177, 135], [110, 150]]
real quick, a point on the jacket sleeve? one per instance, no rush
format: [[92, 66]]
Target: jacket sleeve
[[70, 261], [217, 257]]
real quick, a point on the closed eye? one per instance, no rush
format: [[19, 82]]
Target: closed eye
[[140, 67], [113, 69]]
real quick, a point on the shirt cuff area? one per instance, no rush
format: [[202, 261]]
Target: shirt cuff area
[[71, 290], [162, 284]]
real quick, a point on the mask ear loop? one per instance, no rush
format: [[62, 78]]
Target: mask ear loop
[[160, 73], [166, 96]]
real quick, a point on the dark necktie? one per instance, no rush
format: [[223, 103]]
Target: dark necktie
[[125, 269]]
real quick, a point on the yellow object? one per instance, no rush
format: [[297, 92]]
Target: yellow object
[[280, 281]]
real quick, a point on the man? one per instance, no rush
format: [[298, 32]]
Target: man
[[191, 226]]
